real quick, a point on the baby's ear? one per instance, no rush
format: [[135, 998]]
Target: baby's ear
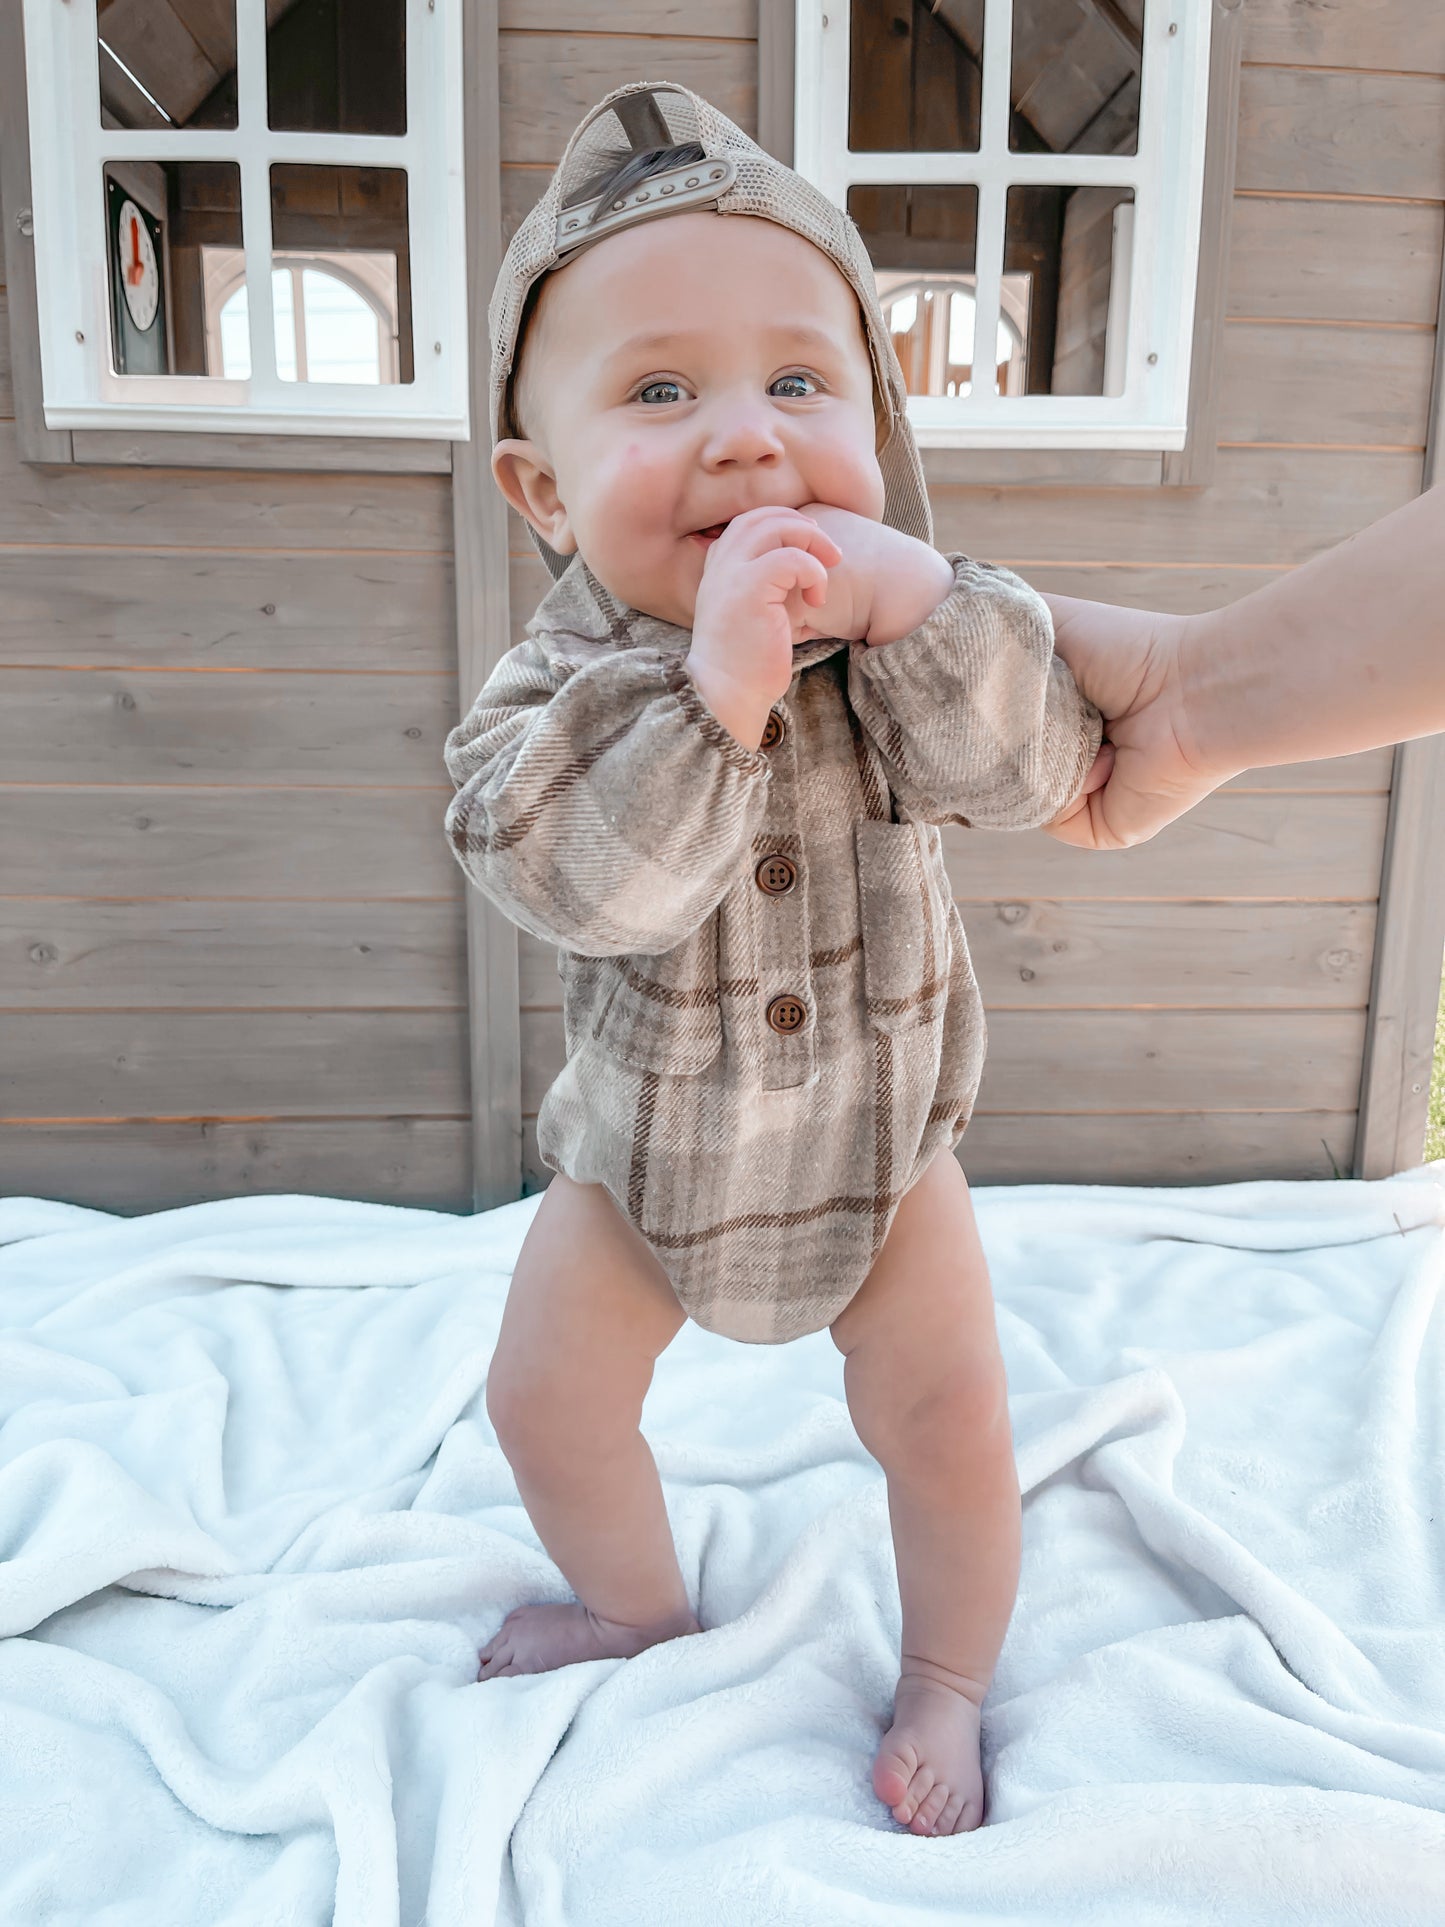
[[521, 472]]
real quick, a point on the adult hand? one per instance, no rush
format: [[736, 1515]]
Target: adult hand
[[1126, 661], [1344, 653]]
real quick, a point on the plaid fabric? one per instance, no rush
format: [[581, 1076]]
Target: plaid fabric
[[605, 809]]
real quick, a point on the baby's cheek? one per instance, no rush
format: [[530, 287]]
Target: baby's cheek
[[630, 481]]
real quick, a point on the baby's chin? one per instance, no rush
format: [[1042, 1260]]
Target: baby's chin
[[650, 594]]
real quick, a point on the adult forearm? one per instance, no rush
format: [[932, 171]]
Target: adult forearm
[[1345, 653]]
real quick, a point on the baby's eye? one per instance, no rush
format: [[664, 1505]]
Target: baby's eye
[[643, 393], [795, 377]]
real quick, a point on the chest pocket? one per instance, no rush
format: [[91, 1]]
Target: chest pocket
[[904, 903], [661, 1013]]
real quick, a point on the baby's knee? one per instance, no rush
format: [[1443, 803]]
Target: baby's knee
[[956, 1406], [544, 1413]]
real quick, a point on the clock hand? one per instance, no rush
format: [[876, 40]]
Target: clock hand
[[134, 272]]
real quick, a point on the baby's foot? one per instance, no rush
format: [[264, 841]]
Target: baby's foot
[[928, 1768], [535, 1639]]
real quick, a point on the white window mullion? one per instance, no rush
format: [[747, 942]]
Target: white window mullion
[[1023, 170], [988, 258], [1120, 328], [981, 401], [824, 45], [997, 68], [256, 197]]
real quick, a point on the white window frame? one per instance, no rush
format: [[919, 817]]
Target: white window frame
[[71, 268], [1167, 178]]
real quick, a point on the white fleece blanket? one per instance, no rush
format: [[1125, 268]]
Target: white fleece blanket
[[256, 1527]]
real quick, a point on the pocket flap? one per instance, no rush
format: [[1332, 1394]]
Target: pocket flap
[[904, 912]]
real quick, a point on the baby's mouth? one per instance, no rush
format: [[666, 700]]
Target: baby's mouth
[[705, 536]]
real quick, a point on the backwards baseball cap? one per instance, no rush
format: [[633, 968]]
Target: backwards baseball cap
[[734, 176]]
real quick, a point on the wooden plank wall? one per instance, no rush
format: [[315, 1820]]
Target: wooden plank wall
[[1193, 1010], [231, 933]]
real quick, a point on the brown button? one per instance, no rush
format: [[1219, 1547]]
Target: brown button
[[776, 874], [787, 1014], [774, 730]]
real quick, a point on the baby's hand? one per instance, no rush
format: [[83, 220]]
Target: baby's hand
[[757, 579], [885, 584]]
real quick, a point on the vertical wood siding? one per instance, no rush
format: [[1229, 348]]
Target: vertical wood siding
[[231, 949]]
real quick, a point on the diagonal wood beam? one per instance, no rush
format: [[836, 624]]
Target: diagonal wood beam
[[1114, 17]]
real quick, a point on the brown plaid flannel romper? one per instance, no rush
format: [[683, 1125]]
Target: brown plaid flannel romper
[[772, 1023]]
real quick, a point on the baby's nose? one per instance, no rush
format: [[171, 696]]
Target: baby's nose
[[744, 435]]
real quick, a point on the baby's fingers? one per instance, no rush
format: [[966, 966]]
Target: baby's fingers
[[821, 544], [758, 530], [787, 569]]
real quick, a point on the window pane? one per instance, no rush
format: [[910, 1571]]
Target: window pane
[[921, 239], [340, 236], [173, 254], [914, 76], [1075, 76], [336, 66], [233, 322], [167, 65], [1073, 247]]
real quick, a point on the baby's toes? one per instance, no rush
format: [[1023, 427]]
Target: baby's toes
[[919, 1788], [493, 1655], [893, 1770], [930, 1807], [961, 1815]]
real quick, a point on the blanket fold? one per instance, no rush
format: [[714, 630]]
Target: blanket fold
[[255, 1525]]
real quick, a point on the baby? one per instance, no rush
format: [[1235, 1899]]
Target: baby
[[713, 775]]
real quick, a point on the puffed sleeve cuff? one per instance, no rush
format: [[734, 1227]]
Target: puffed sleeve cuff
[[604, 808], [748, 762], [975, 716]]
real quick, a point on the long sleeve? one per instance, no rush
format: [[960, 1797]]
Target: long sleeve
[[603, 807], [975, 717]]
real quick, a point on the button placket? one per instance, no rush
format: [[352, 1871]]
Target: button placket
[[784, 1015]]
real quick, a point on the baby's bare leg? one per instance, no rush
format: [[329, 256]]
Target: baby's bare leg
[[926, 1388], [589, 1310]]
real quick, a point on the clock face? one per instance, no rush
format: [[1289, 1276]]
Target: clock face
[[139, 277]]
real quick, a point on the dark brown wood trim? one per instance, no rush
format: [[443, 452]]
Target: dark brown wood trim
[[35, 442], [1193, 465], [479, 522], [1410, 928]]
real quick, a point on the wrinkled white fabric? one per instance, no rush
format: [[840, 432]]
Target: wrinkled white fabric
[[256, 1526]]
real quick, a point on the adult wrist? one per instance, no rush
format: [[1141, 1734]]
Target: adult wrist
[[1213, 695]]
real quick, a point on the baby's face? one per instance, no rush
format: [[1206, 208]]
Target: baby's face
[[675, 375]]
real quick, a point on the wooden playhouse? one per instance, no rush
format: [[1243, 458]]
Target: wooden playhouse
[[254, 567]]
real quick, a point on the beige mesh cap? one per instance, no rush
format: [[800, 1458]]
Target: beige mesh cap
[[735, 176]]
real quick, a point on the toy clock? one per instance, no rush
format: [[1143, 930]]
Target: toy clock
[[137, 287]]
